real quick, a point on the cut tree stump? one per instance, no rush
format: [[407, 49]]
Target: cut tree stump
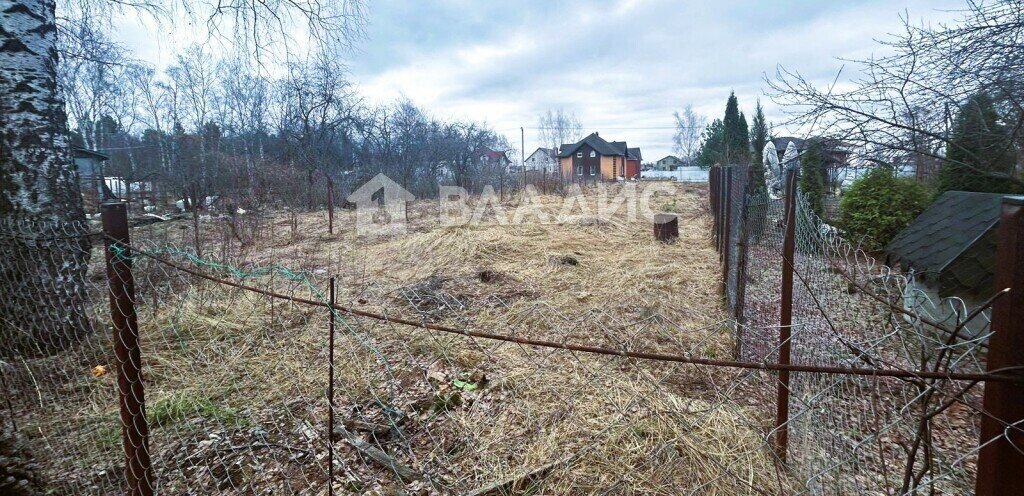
[[666, 227]]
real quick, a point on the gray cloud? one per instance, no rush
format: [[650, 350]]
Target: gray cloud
[[616, 63]]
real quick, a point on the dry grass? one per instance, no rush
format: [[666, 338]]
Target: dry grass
[[239, 381]]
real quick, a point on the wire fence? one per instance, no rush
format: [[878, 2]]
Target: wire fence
[[235, 370], [809, 296]]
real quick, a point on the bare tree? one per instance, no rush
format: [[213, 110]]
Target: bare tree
[[557, 127], [37, 173], [318, 106], [687, 138], [900, 108]]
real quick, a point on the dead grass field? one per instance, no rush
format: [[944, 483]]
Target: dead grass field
[[237, 382]]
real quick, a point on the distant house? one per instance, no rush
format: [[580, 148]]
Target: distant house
[[492, 158], [837, 153], [595, 159], [949, 250], [837, 156], [668, 163], [543, 160]]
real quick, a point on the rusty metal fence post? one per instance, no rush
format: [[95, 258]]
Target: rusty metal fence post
[[726, 227], [721, 214], [1001, 458], [741, 264], [134, 429], [330, 395], [330, 206], [786, 317]]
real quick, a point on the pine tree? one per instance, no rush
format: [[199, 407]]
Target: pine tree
[[758, 138], [712, 145], [812, 176], [758, 134], [736, 146], [979, 152]]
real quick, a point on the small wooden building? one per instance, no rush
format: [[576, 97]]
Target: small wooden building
[[89, 165]]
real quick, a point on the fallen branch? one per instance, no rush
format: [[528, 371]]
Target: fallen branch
[[521, 482], [378, 455]]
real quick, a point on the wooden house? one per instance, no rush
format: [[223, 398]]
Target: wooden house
[[594, 159]]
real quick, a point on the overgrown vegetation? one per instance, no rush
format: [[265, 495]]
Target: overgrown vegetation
[[878, 205]]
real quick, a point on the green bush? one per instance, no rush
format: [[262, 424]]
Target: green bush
[[879, 205]]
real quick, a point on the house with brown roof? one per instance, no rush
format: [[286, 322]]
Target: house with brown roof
[[492, 158], [594, 159]]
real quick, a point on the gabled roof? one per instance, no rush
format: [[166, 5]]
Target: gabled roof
[[672, 157], [492, 154], [548, 152], [634, 154], [597, 143], [79, 152], [954, 239]]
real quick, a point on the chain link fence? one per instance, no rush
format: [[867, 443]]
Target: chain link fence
[[839, 307], [293, 364]]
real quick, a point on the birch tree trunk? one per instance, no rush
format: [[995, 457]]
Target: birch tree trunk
[[42, 268]]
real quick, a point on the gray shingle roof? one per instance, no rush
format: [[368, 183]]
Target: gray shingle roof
[[952, 241], [597, 143], [634, 153]]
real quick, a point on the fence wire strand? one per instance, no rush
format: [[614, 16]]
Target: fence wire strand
[[470, 383]]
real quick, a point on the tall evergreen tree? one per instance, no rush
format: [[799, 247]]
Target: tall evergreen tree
[[758, 133], [758, 139], [980, 153], [736, 146], [812, 176]]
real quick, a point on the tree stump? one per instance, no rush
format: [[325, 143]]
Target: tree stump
[[666, 227]]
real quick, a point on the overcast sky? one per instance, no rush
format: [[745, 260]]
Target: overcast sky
[[623, 66]]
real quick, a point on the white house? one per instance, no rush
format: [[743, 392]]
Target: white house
[[542, 160], [668, 163]]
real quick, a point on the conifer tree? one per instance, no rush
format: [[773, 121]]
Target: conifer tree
[[712, 145], [980, 153], [812, 176], [736, 146]]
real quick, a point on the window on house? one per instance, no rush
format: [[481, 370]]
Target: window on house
[[593, 154], [579, 154], [579, 171]]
